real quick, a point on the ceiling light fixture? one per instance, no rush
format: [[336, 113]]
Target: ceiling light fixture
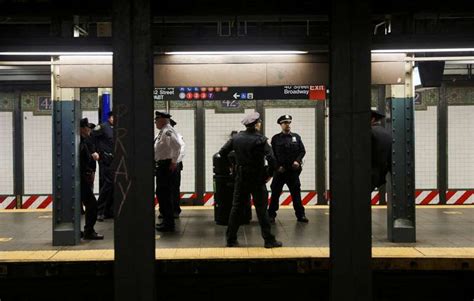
[[276, 52], [422, 50], [55, 53]]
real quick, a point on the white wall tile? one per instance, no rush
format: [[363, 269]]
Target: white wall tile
[[37, 142], [426, 152], [185, 126], [6, 153], [460, 147], [217, 130], [303, 124]]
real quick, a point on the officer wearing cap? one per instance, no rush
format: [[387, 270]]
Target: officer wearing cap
[[289, 152], [381, 150], [87, 160], [167, 151], [104, 139], [251, 148]]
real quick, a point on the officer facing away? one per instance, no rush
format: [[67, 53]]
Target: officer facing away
[[381, 150], [104, 138], [289, 152], [251, 149], [87, 158]]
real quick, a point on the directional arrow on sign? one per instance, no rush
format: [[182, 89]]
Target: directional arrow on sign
[[236, 95]]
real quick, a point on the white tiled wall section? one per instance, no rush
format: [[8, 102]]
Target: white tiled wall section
[[185, 126], [37, 142], [303, 124], [460, 147], [217, 130], [6, 153], [426, 148], [93, 117]]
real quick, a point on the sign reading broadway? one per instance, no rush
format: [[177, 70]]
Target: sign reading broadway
[[316, 92]]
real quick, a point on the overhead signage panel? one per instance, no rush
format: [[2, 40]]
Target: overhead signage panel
[[316, 92]]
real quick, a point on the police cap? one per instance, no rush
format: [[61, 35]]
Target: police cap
[[160, 114], [377, 114], [284, 118], [85, 123], [251, 119]]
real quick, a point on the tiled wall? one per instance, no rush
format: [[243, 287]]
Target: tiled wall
[[461, 147], [37, 142], [6, 153], [217, 131], [185, 126], [303, 124], [426, 148]]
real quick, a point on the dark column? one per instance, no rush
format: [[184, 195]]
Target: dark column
[[442, 144], [133, 161], [321, 153], [259, 107], [18, 162], [401, 198], [381, 106], [66, 181], [350, 149], [200, 154]]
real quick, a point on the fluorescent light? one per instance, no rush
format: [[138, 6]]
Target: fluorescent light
[[276, 52], [422, 50], [53, 53]]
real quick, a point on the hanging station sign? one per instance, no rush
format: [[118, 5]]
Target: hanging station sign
[[316, 92]]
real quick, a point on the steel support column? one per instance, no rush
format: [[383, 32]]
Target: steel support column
[[401, 196], [18, 157], [442, 144], [66, 180], [133, 161], [200, 154], [350, 149], [321, 152], [381, 107]]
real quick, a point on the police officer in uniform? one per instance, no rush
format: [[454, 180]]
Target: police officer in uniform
[[167, 151], [381, 150], [87, 160], [177, 178], [104, 138], [289, 152], [251, 150]]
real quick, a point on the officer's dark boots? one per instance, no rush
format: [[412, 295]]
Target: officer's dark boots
[[273, 244]]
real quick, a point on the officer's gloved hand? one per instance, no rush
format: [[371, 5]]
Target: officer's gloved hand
[[295, 165], [281, 169]]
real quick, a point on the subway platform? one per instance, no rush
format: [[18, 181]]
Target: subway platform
[[194, 257]]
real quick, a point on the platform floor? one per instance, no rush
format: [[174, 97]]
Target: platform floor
[[442, 231]]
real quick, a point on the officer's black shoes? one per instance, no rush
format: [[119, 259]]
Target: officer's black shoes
[[164, 228], [93, 236], [272, 220], [273, 244], [100, 218], [232, 243], [303, 219]]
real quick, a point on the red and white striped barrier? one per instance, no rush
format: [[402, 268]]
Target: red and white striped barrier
[[423, 197], [431, 197], [7, 202]]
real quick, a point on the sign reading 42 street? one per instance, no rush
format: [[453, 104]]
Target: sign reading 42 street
[[306, 92]]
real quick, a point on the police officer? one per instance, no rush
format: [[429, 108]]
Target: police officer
[[381, 150], [289, 152], [251, 148], [167, 152], [87, 160], [104, 139], [177, 178]]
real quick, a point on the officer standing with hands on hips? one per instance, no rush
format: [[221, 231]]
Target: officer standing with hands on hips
[[289, 152], [251, 150], [167, 151]]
